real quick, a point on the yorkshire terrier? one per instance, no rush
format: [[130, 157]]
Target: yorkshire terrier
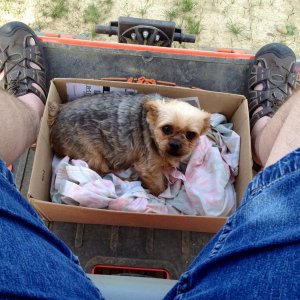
[[113, 132]]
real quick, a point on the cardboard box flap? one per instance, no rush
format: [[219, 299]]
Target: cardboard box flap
[[68, 213], [223, 103], [41, 167], [242, 127]]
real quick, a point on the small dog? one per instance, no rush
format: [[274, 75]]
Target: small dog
[[113, 132]]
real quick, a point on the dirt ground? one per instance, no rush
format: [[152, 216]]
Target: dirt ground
[[239, 24]]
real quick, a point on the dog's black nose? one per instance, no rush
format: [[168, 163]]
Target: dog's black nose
[[175, 147]]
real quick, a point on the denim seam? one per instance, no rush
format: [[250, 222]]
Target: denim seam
[[6, 178], [2, 176], [260, 188], [289, 163], [222, 238]]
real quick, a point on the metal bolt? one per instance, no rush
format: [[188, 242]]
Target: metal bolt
[[133, 36], [145, 34]]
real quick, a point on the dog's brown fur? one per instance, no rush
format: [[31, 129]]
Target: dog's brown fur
[[114, 131]]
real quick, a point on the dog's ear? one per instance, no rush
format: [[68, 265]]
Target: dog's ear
[[152, 109], [206, 122]]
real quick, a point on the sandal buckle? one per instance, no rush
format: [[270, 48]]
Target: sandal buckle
[[13, 75], [278, 96], [292, 79]]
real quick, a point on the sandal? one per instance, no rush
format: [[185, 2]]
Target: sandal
[[16, 53], [274, 67]]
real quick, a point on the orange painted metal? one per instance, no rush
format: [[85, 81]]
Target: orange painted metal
[[228, 50], [110, 269], [110, 45], [142, 79]]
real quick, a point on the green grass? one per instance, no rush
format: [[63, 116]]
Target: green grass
[[97, 11], [182, 9], [183, 13], [58, 8], [187, 6], [144, 8], [291, 30], [171, 14], [235, 28], [91, 14], [193, 26]]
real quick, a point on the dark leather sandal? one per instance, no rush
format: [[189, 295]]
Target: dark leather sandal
[[16, 53], [276, 72]]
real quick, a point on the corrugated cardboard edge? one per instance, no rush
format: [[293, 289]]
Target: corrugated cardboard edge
[[66, 213], [244, 176], [44, 154]]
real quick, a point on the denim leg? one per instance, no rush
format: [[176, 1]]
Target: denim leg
[[256, 253], [33, 262]]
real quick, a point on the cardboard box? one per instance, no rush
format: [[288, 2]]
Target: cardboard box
[[233, 106]]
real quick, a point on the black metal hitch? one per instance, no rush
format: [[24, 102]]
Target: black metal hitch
[[145, 32]]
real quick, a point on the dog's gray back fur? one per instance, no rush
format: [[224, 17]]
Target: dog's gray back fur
[[114, 124]]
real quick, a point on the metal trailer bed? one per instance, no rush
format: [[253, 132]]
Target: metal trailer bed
[[123, 246]]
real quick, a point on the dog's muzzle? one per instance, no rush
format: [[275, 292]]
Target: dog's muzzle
[[175, 148]]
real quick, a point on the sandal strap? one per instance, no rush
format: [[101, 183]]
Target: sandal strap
[[3, 59], [256, 99], [30, 53], [292, 79], [266, 111], [258, 74], [33, 54], [266, 98], [35, 91], [19, 82]]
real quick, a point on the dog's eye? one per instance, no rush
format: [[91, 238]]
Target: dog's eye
[[167, 129], [190, 135]]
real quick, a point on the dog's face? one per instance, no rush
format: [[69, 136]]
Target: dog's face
[[176, 125]]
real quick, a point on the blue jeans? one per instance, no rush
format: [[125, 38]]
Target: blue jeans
[[34, 263], [254, 256]]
